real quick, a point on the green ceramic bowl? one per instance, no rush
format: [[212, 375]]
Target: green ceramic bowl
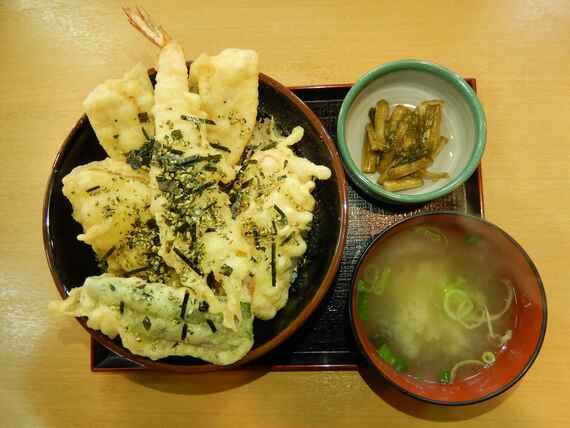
[[410, 82]]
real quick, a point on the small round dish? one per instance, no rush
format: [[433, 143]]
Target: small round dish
[[409, 82], [530, 313]]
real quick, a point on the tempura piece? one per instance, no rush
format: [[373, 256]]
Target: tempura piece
[[227, 84], [120, 112], [158, 321], [272, 202], [107, 197]]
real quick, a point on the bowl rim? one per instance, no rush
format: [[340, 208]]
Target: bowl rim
[[475, 107], [337, 175], [540, 285]]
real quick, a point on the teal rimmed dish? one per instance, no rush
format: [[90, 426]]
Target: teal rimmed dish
[[410, 82]]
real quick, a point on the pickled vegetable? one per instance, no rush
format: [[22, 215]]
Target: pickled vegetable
[[401, 146]]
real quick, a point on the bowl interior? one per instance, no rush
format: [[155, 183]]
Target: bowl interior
[[71, 261], [529, 321], [409, 83]]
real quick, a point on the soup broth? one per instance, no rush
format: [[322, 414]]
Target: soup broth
[[433, 307]]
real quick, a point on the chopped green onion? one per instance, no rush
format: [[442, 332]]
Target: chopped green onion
[[445, 377], [457, 304], [488, 358], [362, 305], [400, 365], [362, 285], [374, 281], [386, 354]]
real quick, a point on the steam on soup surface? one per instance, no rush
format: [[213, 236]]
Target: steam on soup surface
[[434, 304]]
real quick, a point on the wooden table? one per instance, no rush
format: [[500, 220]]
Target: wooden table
[[55, 52]]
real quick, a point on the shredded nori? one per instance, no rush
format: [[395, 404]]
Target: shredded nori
[[122, 307], [137, 270], [148, 138], [256, 238], [184, 304], [92, 189], [246, 154], [220, 147], [204, 186], [108, 253], [212, 326], [273, 268], [269, 146], [166, 185], [196, 119], [142, 156], [281, 213], [193, 233], [187, 261], [143, 117], [197, 158], [175, 151], [184, 331], [288, 238], [236, 205]]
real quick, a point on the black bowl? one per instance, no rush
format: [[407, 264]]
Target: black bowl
[[71, 261]]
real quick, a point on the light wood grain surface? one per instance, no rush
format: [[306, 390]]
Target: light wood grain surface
[[54, 52]]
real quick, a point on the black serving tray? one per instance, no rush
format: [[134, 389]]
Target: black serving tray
[[325, 342]]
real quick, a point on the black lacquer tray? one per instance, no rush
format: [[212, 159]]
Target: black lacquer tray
[[325, 342]]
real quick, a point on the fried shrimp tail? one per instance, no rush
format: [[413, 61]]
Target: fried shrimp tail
[[142, 21]]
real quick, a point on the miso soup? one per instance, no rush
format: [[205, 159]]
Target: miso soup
[[434, 304]]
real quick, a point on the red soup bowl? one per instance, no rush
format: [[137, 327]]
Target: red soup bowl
[[530, 315]]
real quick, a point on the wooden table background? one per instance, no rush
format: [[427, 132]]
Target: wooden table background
[[54, 52]]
